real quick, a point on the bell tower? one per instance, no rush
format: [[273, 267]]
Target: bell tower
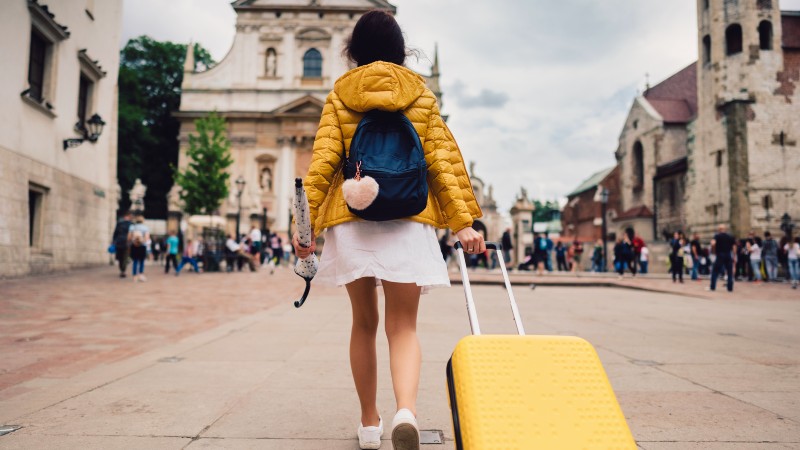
[[739, 56]]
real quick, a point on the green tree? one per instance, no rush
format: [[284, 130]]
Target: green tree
[[204, 181], [150, 77], [544, 211]]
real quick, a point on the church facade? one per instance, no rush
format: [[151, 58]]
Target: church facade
[[717, 142], [270, 89]]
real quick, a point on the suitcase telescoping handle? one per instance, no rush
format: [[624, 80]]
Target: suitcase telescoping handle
[[473, 315]]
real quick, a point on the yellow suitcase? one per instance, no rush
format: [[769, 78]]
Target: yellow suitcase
[[530, 392]]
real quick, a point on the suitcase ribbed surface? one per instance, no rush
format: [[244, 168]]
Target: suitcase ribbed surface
[[535, 392]]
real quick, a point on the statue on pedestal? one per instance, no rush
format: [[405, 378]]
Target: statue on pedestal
[[136, 194]]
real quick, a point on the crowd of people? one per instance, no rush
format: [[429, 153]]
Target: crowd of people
[[133, 242], [752, 258]]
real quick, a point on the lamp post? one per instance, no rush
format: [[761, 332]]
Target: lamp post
[[604, 231], [240, 182], [91, 132]]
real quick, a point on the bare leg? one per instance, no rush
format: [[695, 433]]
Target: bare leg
[[363, 359], [405, 356]]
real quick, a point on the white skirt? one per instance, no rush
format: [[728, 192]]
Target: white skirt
[[400, 251]]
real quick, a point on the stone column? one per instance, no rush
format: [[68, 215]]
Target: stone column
[[738, 167]]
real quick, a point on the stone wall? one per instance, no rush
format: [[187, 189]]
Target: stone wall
[[75, 224]]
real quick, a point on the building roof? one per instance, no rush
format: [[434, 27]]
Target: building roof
[[790, 23], [591, 182], [675, 98]]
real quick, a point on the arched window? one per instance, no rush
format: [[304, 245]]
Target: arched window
[[638, 165], [765, 35], [312, 64], [733, 39], [764, 4], [706, 49]]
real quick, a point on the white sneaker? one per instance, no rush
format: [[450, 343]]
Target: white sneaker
[[370, 437], [142, 278], [405, 432]]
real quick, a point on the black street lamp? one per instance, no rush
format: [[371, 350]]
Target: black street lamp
[[91, 132], [604, 231], [240, 182]]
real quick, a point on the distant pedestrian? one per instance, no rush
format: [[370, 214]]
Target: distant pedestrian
[[637, 242], [172, 251], [754, 250], [120, 242], [255, 237], [539, 252], [508, 245], [696, 253], [191, 251], [276, 246], [792, 250], [577, 253], [676, 257], [138, 236], [548, 261], [156, 247], [231, 253], [561, 257], [597, 257], [769, 254], [742, 265], [623, 255], [724, 247], [644, 259]]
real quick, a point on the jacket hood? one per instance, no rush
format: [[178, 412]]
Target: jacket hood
[[379, 85]]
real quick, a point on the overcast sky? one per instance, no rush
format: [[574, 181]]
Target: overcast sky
[[537, 90]]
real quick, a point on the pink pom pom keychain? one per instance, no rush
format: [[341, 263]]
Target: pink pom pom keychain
[[360, 192]]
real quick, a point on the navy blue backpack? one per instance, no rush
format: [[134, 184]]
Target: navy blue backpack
[[387, 148]]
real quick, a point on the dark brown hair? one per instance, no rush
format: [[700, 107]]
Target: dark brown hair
[[376, 37]]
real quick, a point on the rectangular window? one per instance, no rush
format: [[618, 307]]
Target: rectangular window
[[35, 211], [36, 65], [719, 158], [84, 90]]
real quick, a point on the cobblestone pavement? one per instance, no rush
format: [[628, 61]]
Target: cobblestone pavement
[[224, 361], [61, 325]]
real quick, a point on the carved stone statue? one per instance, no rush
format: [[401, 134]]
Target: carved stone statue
[[272, 62], [136, 194], [266, 179]]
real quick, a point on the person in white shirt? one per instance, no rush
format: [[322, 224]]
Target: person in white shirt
[[644, 259], [792, 250], [255, 238], [754, 249]]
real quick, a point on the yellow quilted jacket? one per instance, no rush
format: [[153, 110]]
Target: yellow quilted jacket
[[389, 87]]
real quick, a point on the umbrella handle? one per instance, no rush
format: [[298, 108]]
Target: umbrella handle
[[302, 300]]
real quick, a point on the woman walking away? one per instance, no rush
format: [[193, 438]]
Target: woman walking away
[[139, 236], [792, 250], [402, 255]]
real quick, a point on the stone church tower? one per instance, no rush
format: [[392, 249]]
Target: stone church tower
[[270, 88], [742, 148]]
